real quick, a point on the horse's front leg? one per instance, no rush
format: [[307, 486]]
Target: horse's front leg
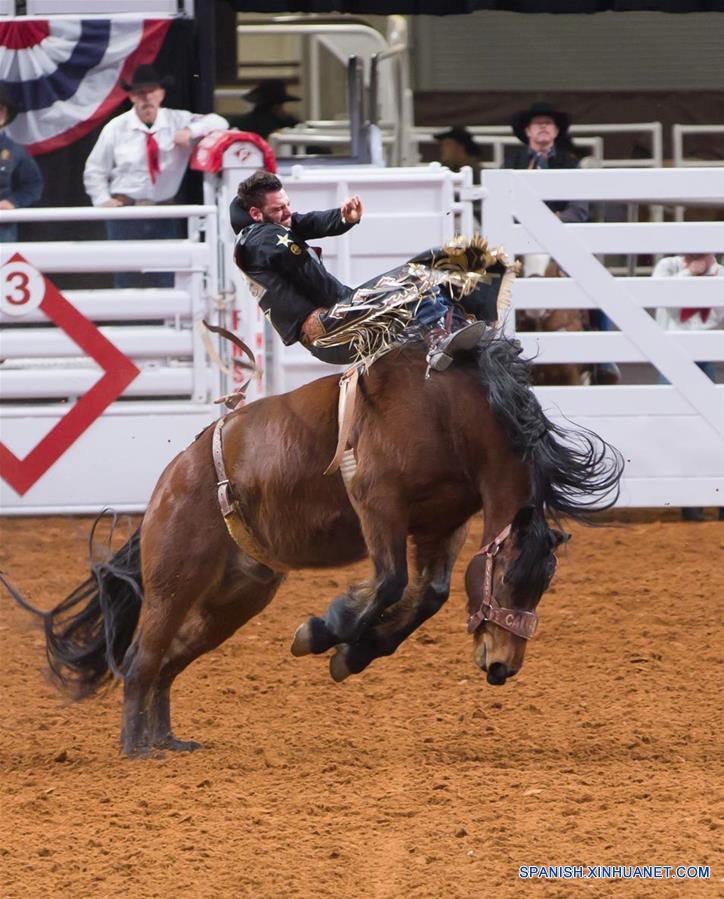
[[423, 599], [349, 616]]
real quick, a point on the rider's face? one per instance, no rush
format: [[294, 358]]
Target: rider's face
[[276, 209]]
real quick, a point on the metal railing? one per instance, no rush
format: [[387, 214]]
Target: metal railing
[[498, 142], [334, 133], [313, 31], [389, 97], [680, 132], [653, 130]]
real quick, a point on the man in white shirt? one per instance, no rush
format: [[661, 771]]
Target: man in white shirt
[[140, 159], [691, 265]]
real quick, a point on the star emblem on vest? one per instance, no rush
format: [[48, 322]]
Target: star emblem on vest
[[283, 240]]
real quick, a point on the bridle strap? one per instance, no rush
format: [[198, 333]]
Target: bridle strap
[[518, 622]]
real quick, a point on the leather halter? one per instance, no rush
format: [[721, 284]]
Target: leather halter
[[521, 623]]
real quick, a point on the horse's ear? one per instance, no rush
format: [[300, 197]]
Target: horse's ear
[[523, 518], [559, 537]]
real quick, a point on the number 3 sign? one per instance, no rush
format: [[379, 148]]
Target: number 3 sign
[[22, 288]]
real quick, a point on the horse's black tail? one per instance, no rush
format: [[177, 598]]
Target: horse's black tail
[[86, 647], [575, 472]]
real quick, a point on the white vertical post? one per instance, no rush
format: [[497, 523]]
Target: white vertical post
[[497, 221]]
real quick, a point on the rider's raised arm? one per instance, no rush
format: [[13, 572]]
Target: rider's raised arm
[[313, 225]]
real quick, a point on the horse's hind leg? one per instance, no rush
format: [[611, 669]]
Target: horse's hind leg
[[424, 597], [142, 664], [385, 531], [174, 581], [246, 590]]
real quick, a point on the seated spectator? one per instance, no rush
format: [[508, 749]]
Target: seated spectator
[[268, 113], [547, 144], [140, 159], [21, 183], [543, 131], [691, 265], [458, 149]]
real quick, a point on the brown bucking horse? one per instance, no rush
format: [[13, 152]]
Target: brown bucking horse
[[430, 454]]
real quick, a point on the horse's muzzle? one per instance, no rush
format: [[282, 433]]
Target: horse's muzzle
[[498, 673]]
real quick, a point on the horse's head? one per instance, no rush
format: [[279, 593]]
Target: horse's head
[[504, 583]]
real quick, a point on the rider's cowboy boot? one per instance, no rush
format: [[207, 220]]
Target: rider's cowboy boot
[[441, 353]]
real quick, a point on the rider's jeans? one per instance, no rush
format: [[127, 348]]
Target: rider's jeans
[[430, 313]]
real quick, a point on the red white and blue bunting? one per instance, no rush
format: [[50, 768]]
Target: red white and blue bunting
[[64, 75]]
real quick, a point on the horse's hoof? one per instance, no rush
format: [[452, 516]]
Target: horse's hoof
[[302, 642], [338, 667], [175, 745], [312, 637], [351, 658], [143, 752]]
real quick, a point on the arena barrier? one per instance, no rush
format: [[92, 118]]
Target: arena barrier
[[672, 436], [66, 454], [95, 406]]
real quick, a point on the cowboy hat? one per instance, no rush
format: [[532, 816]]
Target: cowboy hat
[[521, 120], [145, 77], [8, 103], [461, 136], [270, 92]]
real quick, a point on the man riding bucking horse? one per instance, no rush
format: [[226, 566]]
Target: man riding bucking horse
[[304, 302]]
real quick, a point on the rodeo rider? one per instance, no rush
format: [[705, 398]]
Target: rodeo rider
[[291, 284]]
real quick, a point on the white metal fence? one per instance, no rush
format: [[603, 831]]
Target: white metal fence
[[71, 441], [672, 436], [494, 138]]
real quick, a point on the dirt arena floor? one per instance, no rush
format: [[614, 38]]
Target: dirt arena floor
[[416, 779]]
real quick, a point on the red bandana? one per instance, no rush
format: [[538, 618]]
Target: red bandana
[[686, 314]]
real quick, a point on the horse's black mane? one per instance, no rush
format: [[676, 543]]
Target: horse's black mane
[[575, 472], [532, 571]]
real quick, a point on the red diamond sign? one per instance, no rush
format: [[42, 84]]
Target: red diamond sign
[[23, 289]]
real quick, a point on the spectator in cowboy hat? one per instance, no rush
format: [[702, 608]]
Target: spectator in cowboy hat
[[458, 149], [543, 131], [21, 183], [140, 159], [268, 113]]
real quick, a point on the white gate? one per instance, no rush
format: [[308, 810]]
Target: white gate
[[74, 437], [672, 436]]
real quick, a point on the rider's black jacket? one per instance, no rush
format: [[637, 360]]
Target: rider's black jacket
[[287, 277]]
